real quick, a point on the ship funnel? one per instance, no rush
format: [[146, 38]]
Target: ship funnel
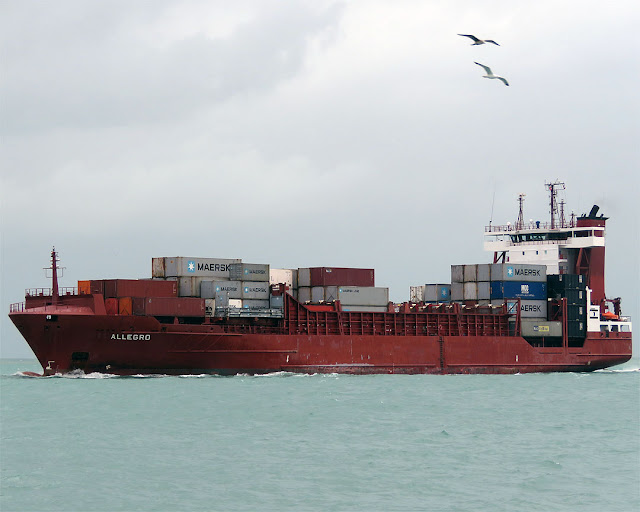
[[594, 211]]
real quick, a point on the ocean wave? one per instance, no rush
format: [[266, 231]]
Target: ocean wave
[[619, 370]]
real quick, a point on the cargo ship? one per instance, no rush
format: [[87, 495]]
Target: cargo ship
[[539, 306]]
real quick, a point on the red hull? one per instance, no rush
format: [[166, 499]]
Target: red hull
[[77, 338]]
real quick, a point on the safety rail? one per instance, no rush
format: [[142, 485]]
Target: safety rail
[[16, 307], [47, 292]]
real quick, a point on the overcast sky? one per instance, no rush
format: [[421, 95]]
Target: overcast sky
[[308, 133]]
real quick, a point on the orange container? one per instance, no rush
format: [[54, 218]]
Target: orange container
[[84, 287], [125, 306], [111, 306]]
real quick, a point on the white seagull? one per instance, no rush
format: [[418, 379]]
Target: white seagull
[[478, 41], [489, 73]]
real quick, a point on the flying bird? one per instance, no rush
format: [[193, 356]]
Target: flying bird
[[478, 41], [489, 73]]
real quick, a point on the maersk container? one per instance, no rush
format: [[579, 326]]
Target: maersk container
[[249, 272], [533, 309], [317, 294], [253, 304], [416, 293], [341, 276], [457, 274], [304, 277], [182, 266], [484, 272], [437, 292], [255, 290], [232, 289], [541, 328], [363, 295], [518, 290], [521, 272], [304, 294]]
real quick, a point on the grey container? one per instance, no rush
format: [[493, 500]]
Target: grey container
[[470, 273], [484, 290], [157, 267], [249, 272], [254, 304], [317, 294], [181, 266], [365, 309], [457, 291], [304, 277], [470, 291], [304, 294], [457, 273], [518, 272], [330, 293], [231, 289], [209, 307], [255, 290], [189, 286], [276, 301], [540, 328], [437, 292], [363, 295], [484, 272], [533, 309]]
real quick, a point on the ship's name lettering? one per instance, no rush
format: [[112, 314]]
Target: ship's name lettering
[[214, 267], [131, 337]]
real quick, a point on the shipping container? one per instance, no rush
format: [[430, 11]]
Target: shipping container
[[157, 268], [576, 328], [255, 304], [276, 301], [249, 272], [181, 266], [470, 291], [125, 306], [470, 273], [457, 291], [484, 272], [317, 294], [457, 274], [209, 307], [304, 294], [339, 276], [363, 296], [234, 303], [416, 293], [330, 293], [174, 306], [484, 290], [111, 306], [138, 305], [84, 287], [540, 328], [140, 288], [255, 290], [437, 292], [518, 272], [97, 287], [518, 290], [281, 275], [229, 289], [189, 286], [304, 278], [533, 309], [365, 309]]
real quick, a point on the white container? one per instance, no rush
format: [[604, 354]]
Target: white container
[[209, 307], [457, 291], [281, 276], [470, 291], [457, 274], [416, 293], [470, 273]]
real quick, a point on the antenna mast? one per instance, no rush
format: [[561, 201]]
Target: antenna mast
[[520, 221], [554, 201]]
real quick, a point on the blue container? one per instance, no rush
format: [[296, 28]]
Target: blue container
[[518, 290]]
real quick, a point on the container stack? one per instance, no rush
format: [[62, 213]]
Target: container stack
[[573, 288], [471, 283], [354, 287], [430, 293]]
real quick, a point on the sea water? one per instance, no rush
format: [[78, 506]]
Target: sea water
[[535, 442]]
